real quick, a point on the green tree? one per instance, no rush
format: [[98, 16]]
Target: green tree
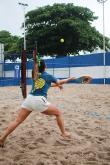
[[11, 44], [48, 24]]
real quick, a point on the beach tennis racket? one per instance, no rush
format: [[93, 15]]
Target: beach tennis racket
[[83, 80]]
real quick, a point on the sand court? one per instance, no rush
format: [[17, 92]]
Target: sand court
[[37, 141]]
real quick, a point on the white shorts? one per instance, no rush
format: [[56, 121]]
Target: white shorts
[[35, 103]]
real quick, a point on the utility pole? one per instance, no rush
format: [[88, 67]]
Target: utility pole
[[23, 58], [104, 60]]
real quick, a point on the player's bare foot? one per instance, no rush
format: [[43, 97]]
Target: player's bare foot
[[66, 135]]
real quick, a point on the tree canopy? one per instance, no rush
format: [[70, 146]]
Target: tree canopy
[[11, 44], [48, 24]]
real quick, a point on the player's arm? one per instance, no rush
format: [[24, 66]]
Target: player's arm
[[64, 81], [59, 83], [35, 72]]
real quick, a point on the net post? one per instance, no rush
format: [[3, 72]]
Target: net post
[[23, 74]]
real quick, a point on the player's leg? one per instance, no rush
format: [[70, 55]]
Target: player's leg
[[22, 115], [52, 110]]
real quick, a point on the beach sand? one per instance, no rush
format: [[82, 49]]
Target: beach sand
[[37, 141]]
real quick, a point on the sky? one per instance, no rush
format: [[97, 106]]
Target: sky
[[12, 16]]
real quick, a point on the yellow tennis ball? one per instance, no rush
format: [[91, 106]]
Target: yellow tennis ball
[[61, 40]]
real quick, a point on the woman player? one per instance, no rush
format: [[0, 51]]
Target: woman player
[[37, 101]]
